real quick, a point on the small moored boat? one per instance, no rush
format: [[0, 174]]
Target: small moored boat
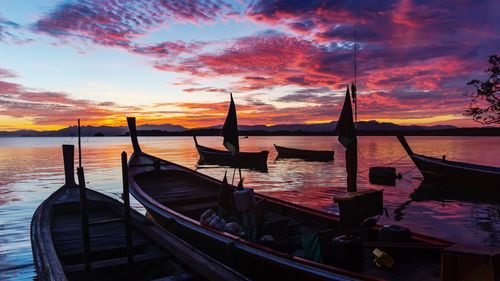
[[232, 157], [58, 242], [306, 154], [458, 173], [251, 160]]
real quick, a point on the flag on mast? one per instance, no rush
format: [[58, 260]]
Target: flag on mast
[[347, 137], [345, 126], [230, 129]]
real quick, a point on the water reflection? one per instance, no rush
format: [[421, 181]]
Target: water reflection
[[31, 169]]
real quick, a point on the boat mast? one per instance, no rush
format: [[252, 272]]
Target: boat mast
[[355, 80]]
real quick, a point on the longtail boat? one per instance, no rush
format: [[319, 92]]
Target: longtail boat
[[291, 242], [252, 160], [233, 157], [458, 173], [306, 154], [58, 243]]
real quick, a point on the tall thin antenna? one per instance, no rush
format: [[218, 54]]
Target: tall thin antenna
[[355, 58], [355, 79]]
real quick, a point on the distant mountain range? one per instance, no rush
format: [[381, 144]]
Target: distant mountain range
[[177, 129], [91, 131], [325, 127]]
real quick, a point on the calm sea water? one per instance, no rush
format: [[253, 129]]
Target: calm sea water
[[31, 169]]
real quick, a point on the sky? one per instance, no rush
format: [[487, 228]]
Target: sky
[[284, 61]]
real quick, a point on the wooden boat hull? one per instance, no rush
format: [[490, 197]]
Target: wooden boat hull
[[250, 258], [56, 238], [251, 160], [311, 155], [50, 267], [457, 173], [435, 169], [176, 196]]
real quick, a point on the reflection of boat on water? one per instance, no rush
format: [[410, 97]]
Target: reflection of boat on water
[[484, 216], [56, 238], [462, 174], [306, 154], [428, 191], [252, 160], [439, 192]]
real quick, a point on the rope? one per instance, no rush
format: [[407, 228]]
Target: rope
[[387, 164], [408, 171]]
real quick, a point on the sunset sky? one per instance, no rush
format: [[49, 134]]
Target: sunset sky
[[285, 61]]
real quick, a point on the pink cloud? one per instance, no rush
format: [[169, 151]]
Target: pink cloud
[[118, 23]]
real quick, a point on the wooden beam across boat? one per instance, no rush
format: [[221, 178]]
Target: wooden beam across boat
[[56, 238]]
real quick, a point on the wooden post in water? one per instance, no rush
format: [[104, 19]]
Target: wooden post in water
[[128, 225], [84, 212], [69, 165], [79, 146]]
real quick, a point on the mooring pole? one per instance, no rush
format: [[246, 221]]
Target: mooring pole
[[128, 225], [85, 223], [79, 146], [83, 211]]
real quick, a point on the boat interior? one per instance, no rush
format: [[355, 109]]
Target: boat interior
[[108, 251], [294, 231]]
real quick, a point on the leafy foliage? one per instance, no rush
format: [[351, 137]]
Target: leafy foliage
[[485, 105]]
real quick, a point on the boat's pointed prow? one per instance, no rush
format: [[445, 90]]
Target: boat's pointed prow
[[195, 140], [69, 164], [133, 134], [405, 145]]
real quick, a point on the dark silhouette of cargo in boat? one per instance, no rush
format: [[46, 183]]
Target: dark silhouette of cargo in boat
[[290, 242], [251, 160], [306, 154], [459, 173], [57, 241]]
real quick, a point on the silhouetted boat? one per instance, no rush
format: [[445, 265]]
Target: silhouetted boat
[[459, 173], [177, 196], [56, 238], [233, 156], [252, 160], [306, 154]]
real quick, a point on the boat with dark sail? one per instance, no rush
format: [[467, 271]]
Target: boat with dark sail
[[232, 157], [64, 250], [283, 240], [306, 154], [458, 173], [250, 160]]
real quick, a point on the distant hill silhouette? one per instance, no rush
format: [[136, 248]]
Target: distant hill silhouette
[[321, 127], [91, 131], [364, 127]]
